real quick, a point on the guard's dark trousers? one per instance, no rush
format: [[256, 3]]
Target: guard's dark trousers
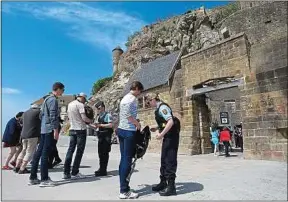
[[168, 165], [104, 147]]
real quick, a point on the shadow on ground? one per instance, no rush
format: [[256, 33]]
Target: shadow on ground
[[60, 168], [88, 178], [181, 188]]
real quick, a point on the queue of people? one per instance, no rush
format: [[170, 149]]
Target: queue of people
[[223, 136], [33, 135]]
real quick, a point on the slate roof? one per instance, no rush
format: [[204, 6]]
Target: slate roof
[[154, 73]]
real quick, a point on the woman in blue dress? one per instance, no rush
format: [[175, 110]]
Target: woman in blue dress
[[215, 139]]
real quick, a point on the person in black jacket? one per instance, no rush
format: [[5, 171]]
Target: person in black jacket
[[30, 136], [104, 138], [11, 139]]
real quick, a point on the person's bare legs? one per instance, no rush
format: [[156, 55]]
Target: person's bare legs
[[10, 155], [18, 151], [22, 153], [215, 149]]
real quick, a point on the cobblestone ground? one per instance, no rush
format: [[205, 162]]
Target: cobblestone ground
[[202, 177]]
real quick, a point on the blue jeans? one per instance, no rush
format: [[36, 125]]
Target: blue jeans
[[77, 138], [127, 147], [42, 152]]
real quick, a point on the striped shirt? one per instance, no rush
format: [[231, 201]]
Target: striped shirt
[[128, 107]]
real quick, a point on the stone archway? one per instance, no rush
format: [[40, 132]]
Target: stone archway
[[203, 112]]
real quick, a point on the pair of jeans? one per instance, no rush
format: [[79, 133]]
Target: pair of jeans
[[127, 149], [42, 152], [77, 138], [226, 145]]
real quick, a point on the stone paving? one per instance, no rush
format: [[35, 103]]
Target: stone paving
[[203, 177]]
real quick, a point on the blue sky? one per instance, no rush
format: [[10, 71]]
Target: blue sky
[[44, 42]]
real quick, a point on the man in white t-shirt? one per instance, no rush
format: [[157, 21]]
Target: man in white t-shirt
[[126, 131], [78, 133]]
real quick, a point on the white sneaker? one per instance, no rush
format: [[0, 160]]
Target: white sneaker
[[47, 183], [78, 176], [128, 195]]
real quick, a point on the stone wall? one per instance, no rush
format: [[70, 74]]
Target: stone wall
[[226, 58], [263, 64], [264, 97], [265, 102]]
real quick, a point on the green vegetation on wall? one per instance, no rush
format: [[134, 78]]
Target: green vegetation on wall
[[99, 84], [131, 37]]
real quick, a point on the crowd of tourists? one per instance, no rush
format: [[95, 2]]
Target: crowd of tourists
[[32, 137]]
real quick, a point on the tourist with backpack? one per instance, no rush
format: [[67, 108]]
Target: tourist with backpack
[[49, 131], [126, 131]]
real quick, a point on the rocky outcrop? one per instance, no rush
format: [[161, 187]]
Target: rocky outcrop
[[191, 31]]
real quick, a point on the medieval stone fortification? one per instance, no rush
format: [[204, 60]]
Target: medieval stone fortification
[[231, 59]]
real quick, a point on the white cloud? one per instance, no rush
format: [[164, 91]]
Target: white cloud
[[11, 105], [10, 91], [97, 26]]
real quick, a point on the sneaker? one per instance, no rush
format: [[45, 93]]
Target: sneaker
[[34, 181], [128, 195], [47, 183], [56, 162], [25, 171], [7, 168], [66, 176], [78, 176], [16, 170]]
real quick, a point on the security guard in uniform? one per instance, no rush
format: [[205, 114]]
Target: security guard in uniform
[[104, 137], [168, 129]]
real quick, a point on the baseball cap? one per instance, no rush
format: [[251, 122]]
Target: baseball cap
[[82, 95]]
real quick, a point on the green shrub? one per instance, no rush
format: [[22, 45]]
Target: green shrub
[[131, 37], [99, 84]]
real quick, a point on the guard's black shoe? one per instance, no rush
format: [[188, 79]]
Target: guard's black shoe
[[170, 190], [100, 173], [161, 186]]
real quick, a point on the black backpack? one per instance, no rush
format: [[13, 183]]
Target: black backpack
[[142, 141], [89, 112]]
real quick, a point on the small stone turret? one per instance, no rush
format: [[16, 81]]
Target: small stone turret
[[117, 52]]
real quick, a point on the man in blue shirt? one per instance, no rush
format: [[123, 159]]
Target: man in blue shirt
[[49, 131], [104, 124]]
